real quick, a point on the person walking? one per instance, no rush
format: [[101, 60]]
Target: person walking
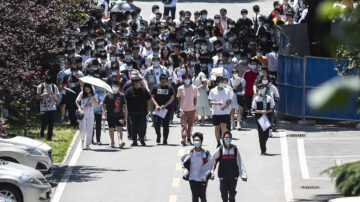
[[138, 103], [85, 103], [231, 167], [197, 167], [263, 105], [220, 99], [169, 6], [47, 94], [237, 105], [163, 95], [202, 104], [187, 99], [114, 110]]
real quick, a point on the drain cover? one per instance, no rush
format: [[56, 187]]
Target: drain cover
[[310, 187], [295, 135]]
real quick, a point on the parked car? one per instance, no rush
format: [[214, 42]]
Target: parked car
[[346, 199], [23, 183], [28, 152], [4, 198]]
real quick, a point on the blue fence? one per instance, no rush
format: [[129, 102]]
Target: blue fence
[[297, 76]]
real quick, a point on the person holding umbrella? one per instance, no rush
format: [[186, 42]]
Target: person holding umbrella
[[86, 103]]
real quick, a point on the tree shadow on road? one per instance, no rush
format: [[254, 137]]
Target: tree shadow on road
[[320, 198]]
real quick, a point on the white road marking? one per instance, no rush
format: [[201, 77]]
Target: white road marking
[[178, 166], [348, 156], [65, 178], [181, 152], [286, 168], [176, 182], [302, 159], [70, 147], [332, 138], [173, 198]]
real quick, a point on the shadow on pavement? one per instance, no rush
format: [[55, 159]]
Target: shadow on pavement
[[320, 198], [106, 150]]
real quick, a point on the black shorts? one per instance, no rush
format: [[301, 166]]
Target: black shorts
[[240, 99], [218, 119], [115, 121]]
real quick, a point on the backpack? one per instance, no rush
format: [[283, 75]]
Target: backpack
[[221, 152], [207, 153]]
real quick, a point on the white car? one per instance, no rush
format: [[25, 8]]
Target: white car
[[23, 184], [27, 151], [346, 199]]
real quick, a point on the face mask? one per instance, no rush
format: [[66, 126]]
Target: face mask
[[172, 28], [253, 66], [197, 143], [259, 54], [182, 71], [75, 74], [237, 56], [235, 76], [187, 81], [143, 71], [128, 67], [186, 30], [166, 34], [61, 60], [128, 57], [155, 53], [147, 44], [112, 58], [114, 73], [244, 15], [231, 39], [227, 141], [216, 21], [260, 24], [115, 89], [204, 16], [191, 49], [94, 68], [203, 47], [156, 64], [243, 61], [108, 36], [260, 73], [262, 91], [222, 85], [157, 11], [118, 58], [182, 18], [187, 38], [265, 81]]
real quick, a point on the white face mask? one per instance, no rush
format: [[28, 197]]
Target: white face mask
[[265, 81]]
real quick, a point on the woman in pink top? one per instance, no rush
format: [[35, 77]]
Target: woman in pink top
[[187, 97]]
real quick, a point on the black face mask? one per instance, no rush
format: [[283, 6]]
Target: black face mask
[[48, 81]]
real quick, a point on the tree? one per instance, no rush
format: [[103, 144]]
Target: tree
[[33, 35]]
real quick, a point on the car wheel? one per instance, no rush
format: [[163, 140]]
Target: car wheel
[[11, 192]]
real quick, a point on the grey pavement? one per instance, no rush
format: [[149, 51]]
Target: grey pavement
[[150, 174]]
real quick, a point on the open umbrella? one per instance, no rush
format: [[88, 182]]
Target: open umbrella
[[97, 83], [124, 6]]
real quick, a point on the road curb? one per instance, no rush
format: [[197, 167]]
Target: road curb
[[73, 142]]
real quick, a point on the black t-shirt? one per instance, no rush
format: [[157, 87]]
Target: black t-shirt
[[98, 73], [115, 105], [127, 85], [162, 94], [137, 100]]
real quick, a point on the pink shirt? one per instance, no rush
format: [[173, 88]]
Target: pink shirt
[[187, 96]]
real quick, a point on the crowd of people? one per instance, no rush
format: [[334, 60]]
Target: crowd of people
[[192, 66]]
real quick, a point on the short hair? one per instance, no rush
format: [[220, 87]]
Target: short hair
[[186, 75], [218, 79], [198, 134], [163, 76], [223, 10], [117, 83], [256, 8], [276, 3]]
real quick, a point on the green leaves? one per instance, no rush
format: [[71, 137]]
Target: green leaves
[[327, 11], [347, 178], [334, 93]]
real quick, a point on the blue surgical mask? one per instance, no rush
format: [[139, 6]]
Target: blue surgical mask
[[112, 58], [156, 64], [253, 66], [197, 55], [182, 71], [243, 61], [188, 38], [204, 16], [187, 81], [143, 71], [227, 141], [260, 73], [114, 73], [166, 34], [197, 143], [128, 57], [128, 67], [259, 54], [262, 91], [216, 21], [203, 47], [115, 89], [222, 85], [75, 73], [108, 36]]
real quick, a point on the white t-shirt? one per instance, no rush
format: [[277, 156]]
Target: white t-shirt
[[170, 5], [222, 96], [157, 73]]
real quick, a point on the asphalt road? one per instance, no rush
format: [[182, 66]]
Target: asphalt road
[[152, 174]]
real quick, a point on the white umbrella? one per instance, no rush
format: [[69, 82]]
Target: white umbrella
[[97, 83]]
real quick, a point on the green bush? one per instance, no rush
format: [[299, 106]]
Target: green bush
[[347, 178]]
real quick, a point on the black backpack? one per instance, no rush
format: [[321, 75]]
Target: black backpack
[[221, 152]]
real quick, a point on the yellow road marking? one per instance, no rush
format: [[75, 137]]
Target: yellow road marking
[[176, 182], [181, 152], [178, 166], [173, 198]]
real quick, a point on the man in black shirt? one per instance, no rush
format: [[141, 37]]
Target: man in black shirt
[[164, 96], [138, 103], [115, 106], [95, 71]]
